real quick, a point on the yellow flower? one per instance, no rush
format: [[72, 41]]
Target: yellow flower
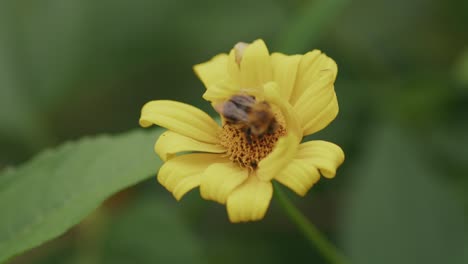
[[231, 166]]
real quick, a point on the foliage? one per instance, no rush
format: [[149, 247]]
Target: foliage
[[49, 194]]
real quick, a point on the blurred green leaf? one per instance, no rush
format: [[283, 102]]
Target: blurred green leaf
[[49, 194], [307, 27], [397, 210], [461, 68], [19, 118], [151, 231]]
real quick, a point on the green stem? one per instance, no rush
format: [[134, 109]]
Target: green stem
[[326, 248]]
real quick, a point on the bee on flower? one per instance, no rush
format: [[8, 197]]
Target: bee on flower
[[253, 118], [267, 103]]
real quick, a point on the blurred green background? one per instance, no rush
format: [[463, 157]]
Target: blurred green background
[[72, 68]]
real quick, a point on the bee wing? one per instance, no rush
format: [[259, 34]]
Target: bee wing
[[244, 102], [231, 112]]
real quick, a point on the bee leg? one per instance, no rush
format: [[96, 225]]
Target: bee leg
[[272, 128], [248, 136], [253, 164], [260, 136]]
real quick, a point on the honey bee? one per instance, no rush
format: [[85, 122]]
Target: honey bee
[[252, 117]]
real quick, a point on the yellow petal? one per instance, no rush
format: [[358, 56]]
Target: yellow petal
[[221, 91], [325, 156], [299, 176], [255, 66], [325, 117], [284, 72], [213, 71], [318, 105], [182, 118], [311, 68], [314, 96], [249, 201], [220, 179], [181, 174], [271, 93], [170, 143], [303, 172], [233, 67], [278, 159]]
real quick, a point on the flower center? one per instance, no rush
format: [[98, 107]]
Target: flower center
[[247, 149]]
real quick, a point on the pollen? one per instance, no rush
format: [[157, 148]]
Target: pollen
[[248, 150]]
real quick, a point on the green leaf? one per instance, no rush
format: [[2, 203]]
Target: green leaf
[[399, 210], [51, 193]]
